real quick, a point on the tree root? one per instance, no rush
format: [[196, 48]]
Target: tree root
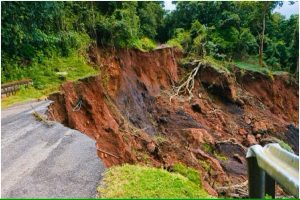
[[235, 191], [188, 85]]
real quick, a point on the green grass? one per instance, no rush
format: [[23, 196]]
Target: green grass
[[220, 66], [192, 174], [251, 64], [205, 165], [252, 67], [135, 181], [220, 156], [144, 44], [208, 148], [46, 79], [27, 94]]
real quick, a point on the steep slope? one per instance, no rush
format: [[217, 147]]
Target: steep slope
[[128, 112]]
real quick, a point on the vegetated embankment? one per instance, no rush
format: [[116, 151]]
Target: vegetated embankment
[[128, 111]]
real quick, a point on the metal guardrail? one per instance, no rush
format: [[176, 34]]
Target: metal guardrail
[[270, 164], [11, 88]]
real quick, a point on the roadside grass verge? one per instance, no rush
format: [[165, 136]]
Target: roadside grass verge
[[135, 181], [49, 75]]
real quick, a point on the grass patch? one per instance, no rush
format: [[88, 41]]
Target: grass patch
[[208, 148], [134, 181], [159, 138], [47, 76], [190, 173], [251, 64], [252, 67], [220, 156], [220, 66], [205, 165], [27, 94]]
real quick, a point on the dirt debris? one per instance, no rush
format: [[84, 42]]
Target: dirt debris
[[126, 110]]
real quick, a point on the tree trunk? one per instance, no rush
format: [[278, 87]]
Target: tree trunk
[[261, 46]]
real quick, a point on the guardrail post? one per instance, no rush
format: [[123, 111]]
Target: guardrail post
[[270, 186], [256, 179]]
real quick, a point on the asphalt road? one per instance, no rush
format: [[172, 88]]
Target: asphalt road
[[46, 162]]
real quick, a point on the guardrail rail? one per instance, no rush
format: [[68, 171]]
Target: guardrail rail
[[12, 87], [269, 165]]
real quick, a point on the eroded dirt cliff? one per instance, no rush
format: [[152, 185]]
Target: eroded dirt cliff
[[128, 112]]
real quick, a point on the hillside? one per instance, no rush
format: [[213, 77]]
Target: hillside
[[176, 96], [128, 112]]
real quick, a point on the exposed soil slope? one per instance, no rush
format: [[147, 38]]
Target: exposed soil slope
[[127, 110]]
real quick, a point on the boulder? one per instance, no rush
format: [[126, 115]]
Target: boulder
[[251, 140], [259, 127], [198, 136], [242, 131]]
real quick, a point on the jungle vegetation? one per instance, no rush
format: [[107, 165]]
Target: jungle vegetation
[[35, 34]]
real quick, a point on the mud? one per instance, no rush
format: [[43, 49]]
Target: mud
[[127, 111]]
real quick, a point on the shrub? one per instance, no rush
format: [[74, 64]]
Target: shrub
[[143, 44]]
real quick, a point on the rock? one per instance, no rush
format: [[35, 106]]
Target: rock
[[209, 189], [239, 158], [247, 120], [242, 131], [259, 127], [258, 136], [239, 102], [151, 147], [62, 78], [62, 75], [198, 136], [163, 120], [196, 108], [217, 171], [251, 140], [292, 137]]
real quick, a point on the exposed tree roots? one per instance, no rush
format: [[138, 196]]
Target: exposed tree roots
[[188, 85]]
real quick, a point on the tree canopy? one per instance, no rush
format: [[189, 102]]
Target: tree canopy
[[33, 31]]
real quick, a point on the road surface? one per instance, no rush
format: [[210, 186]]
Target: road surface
[[46, 162]]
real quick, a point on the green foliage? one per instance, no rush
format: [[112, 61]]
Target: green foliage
[[46, 78], [181, 39], [206, 165], [159, 139], [234, 31], [134, 181], [151, 18], [207, 148], [252, 67], [220, 157], [143, 44], [190, 173], [34, 31], [267, 196]]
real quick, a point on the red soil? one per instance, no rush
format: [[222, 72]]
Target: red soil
[[127, 111]]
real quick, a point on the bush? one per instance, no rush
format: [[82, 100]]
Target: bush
[[144, 44], [181, 39]]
